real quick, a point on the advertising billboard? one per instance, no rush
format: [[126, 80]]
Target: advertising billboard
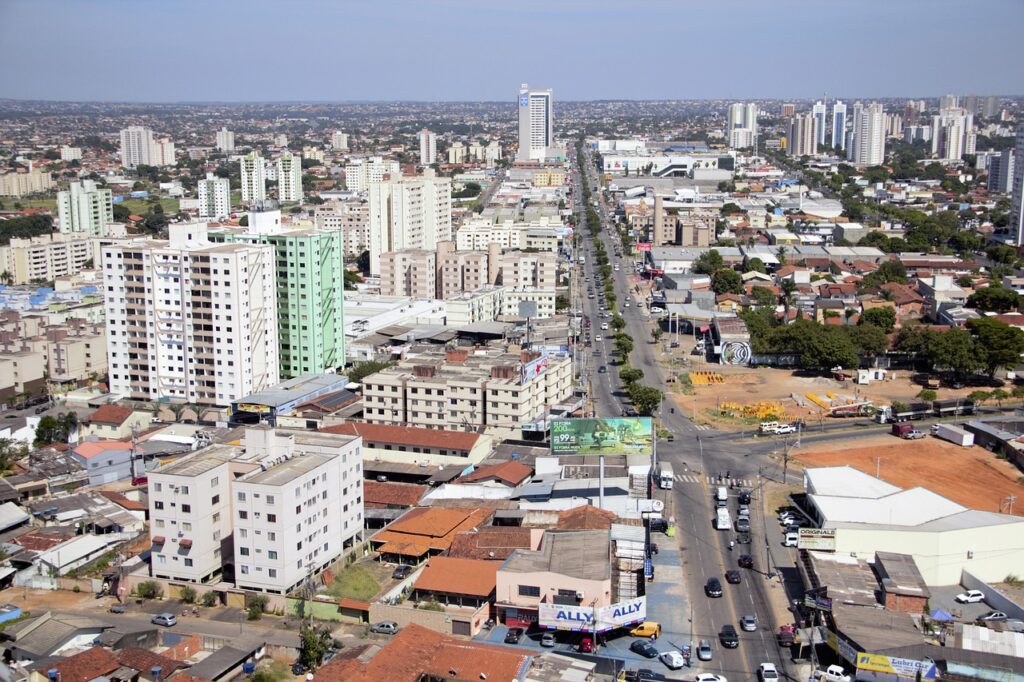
[[823, 539], [532, 370], [613, 436], [901, 667], [582, 618], [643, 246]]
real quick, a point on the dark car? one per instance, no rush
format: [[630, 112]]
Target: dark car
[[743, 537], [644, 675], [744, 497], [732, 576], [401, 572], [728, 637], [658, 525], [298, 668], [746, 561], [514, 635], [713, 587], [644, 648]]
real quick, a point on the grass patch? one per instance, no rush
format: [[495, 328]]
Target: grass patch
[[355, 582], [142, 206], [42, 202], [25, 615], [278, 670]]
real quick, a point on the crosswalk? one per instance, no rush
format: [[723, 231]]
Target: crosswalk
[[714, 480], [702, 427]]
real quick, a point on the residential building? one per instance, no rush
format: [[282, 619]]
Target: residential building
[[289, 177], [281, 140], [310, 286], [536, 124], [254, 178], [742, 117], [485, 304], [408, 213], [428, 147], [297, 513], [76, 353], [136, 146], [22, 373], [1017, 206], [457, 153], [801, 140], [339, 141], [409, 272], [839, 125], [540, 303], [18, 184], [225, 140], [46, 257], [819, 112], [894, 126], [461, 271], [533, 270], [361, 173], [948, 102], [189, 320], [70, 153], [788, 110], [163, 153], [314, 153], [214, 197], [953, 134], [476, 234], [492, 153], [85, 209], [351, 218], [1001, 171], [412, 445], [867, 143]]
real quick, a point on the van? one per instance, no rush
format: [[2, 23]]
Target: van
[[648, 628], [721, 495], [769, 427], [723, 521]]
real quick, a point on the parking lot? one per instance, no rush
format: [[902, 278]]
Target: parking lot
[[943, 598]]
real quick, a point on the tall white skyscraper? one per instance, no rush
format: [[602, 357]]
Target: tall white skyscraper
[[742, 125], [1017, 210], [819, 111], [361, 172], [953, 134], [214, 197], [162, 153], [225, 140], [339, 141], [136, 146], [536, 123], [254, 178], [216, 340], [867, 136], [408, 213], [1000, 172], [428, 147], [948, 102], [289, 177], [803, 135], [83, 209], [839, 125]]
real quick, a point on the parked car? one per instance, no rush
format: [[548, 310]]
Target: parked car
[[168, 620], [728, 636], [644, 648], [713, 587], [658, 525], [299, 669], [704, 650], [767, 672], [118, 608], [602, 370], [648, 628], [644, 675], [514, 635], [732, 576], [785, 428], [548, 639], [792, 539], [913, 434], [672, 659], [970, 597], [385, 627], [744, 497], [743, 524], [401, 572], [586, 645], [748, 623], [746, 561], [709, 677], [992, 617]]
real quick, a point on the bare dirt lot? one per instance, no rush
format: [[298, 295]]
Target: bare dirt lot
[[972, 477]]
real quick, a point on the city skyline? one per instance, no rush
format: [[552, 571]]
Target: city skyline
[[760, 65]]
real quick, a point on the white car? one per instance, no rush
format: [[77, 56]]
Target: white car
[[672, 659], [709, 677], [599, 338], [767, 672], [970, 597], [785, 428], [792, 539]]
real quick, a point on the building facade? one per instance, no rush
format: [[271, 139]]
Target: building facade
[[351, 218], [1017, 204], [536, 123], [225, 140], [361, 173], [254, 178], [289, 177], [46, 257], [214, 197], [18, 185], [136, 146], [428, 147], [839, 125], [408, 213], [85, 209], [867, 139]]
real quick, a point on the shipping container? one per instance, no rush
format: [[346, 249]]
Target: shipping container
[[954, 434], [901, 429]]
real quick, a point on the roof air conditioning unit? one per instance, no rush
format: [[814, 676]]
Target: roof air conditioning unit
[[579, 595]]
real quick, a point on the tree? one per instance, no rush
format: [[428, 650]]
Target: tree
[[365, 369], [187, 595], [994, 299], [998, 344], [730, 208], [954, 349], [623, 345], [617, 322], [883, 317], [149, 589], [1018, 393], [764, 297], [314, 641], [657, 333], [999, 395], [869, 340], [927, 395], [10, 452], [630, 375], [255, 607], [755, 264], [121, 213], [352, 279], [979, 397], [1006, 255], [645, 398], [708, 263], [727, 281]]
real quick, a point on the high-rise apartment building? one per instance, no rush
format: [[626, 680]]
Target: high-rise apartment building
[[428, 147], [289, 177], [408, 213], [214, 197], [819, 111], [70, 153], [1000, 172], [361, 172], [85, 209], [1017, 205], [788, 110], [136, 146], [953, 134], [225, 140], [536, 124], [839, 125], [45, 257], [310, 276], [339, 141], [990, 107], [351, 218], [801, 140], [894, 126], [189, 320], [409, 272], [867, 137], [22, 184], [742, 125], [254, 178], [163, 153], [948, 102]]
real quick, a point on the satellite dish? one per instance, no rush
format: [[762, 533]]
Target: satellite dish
[[658, 505]]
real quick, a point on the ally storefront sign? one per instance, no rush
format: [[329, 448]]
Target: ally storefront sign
[[589, 619]]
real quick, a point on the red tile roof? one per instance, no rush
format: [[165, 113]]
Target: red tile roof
[[85, 666], [377, 494], [144, 661], [109, 414], [428, 528], [585, 517], [511, 473], [495, 543], [409, 436], [474, 577], [122, 501], [92, 448]]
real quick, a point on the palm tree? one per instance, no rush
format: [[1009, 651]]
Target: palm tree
[[6, 277]]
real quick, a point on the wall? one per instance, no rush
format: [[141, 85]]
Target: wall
[[438, 621], [319, 610], [993, 597]]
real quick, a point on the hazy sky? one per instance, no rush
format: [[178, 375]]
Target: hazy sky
[[336, 50]]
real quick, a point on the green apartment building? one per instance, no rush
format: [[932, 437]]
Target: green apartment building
[[310, 290]]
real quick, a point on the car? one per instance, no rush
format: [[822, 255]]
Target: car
[[648, 628], [785, 518], [401, 572], [644, 675], [709, 677], [658, 525], [992, 617], [599, 338], [792, 528], [728, 637], [744, 497], [672, 659], [743, 524], [299, 669], [935, 429], [792, 540], [785, 428], [548, 639], [732, 576], [586, 645], [602, 370], [41, 409], [704, 652], [745, 561], [743, 537], [644, 648], [604, 326], [514, 635], [713, 587], [970, 597], [913, 434], [748, 623], [118, 608], [385, 627], [744, 510], [766, 672], [168, 620]]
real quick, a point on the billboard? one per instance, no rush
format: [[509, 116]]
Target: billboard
[[613, 436], [533, 369], [901, 667], [817, 538], [582, 618], [643, 246]]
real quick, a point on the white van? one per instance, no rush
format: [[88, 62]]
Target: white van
[[723, 521], [792, 539], [721, 496], [769, 427], [665, 476]]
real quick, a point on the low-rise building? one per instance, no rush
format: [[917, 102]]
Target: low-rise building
[[46, 257], [410, 444]]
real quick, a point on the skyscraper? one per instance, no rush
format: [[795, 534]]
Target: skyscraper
[[84, 210], [868, 135], [289, 177], [1017, 210], [339, 141], [803, 135], [254, 178], [839, 125], [536, 124], [953, 134], [948, 102], [428, 147], [742, 125], [214, 197], [1001, 172], [818, 111], [225, 140], [408, 213], [136, 146]]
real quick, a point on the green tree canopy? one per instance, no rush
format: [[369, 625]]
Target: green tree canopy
[[726, 281], [994, 299], [999, 345], [882, 317], [708, 263], [755, 264]]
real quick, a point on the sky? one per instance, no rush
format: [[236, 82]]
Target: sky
[[473, 50]]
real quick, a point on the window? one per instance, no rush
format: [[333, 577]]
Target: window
[[271, 536], [272, 572], [270, 499], [216, 517], [157, 487], [271, 554], [241, 497], [158, 505], [271, 518], [186, 509], [214, 481], [243, 551], [188, 563], [185, 525], [161, 559], [529, 591], [184, 490], [243, 533], [245, 570], [243, 514], [159, 523], [215, 499]]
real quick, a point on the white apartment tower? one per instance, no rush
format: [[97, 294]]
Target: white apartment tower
[[802, 135], [428, 147], [83, 209], [189, 320], [742, 125], [839, 125], [868, 135], [536, 124], [162, 153], [361, 172], [225, 140], [136, 146], [214, 197], [408, 213], [339, 141], [818, 111], [289, 177], [254, 178], [953, 134], [1017, 210]]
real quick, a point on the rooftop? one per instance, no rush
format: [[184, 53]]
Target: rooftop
[[294, 389], [289, 470], [579, 554], [201, 462], [409, 436], [475, 577]]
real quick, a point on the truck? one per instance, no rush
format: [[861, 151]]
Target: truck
[[665, 477], [953, 407], [723, 521], [833, 673], [902, 413], [955, 434]]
